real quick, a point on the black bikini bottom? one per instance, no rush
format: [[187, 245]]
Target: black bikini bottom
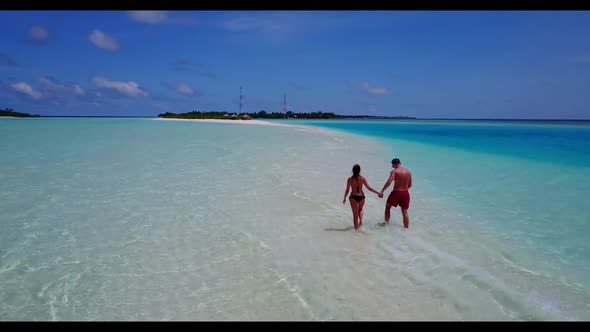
[[357, 198]]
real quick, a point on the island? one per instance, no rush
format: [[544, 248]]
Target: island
[[11, 113], [273, 115]]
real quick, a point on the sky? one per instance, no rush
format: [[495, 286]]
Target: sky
[[426, 64]]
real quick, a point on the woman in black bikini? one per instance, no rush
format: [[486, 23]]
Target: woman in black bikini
[[357, 197]]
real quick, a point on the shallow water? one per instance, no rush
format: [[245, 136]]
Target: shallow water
[[135, 219]]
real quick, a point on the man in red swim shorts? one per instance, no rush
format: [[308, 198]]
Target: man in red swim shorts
[[400, 195]]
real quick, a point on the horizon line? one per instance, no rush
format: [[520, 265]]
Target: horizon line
[[409, 119]]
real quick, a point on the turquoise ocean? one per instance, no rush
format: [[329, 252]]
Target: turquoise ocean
[[140, 219]]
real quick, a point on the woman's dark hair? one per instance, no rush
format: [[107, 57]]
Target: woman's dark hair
[[356, 170]]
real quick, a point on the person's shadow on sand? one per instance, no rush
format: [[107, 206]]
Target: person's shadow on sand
[[349, 228]]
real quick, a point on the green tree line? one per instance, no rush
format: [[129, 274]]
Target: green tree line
[[10, 112]]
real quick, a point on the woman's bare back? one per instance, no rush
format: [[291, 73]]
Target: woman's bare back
[[356, 185]]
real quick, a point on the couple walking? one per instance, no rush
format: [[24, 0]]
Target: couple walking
[[402, 179]]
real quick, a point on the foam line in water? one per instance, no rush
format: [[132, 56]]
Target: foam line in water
[[295, 292]]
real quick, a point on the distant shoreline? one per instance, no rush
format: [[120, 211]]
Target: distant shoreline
[[351, 118], [247, 122], [276, 116], [9, 113]]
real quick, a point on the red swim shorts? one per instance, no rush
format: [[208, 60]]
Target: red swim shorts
[[401, 198]]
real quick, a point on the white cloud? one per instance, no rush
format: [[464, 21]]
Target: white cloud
[[130, 88], [38, 33], [243, 23], [78, 90], [278, 25], [149, 16], [261, 23], [156, 17], [371, 90], [55, 86], [268, 26], [102, 40], [23, 87], [185, 89]]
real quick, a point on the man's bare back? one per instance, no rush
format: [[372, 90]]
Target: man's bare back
[[402, 178]]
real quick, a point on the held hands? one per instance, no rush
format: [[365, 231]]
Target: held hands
[[380, 195]]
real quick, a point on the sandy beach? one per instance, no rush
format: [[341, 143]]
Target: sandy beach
[[251, 122], [247, 122]]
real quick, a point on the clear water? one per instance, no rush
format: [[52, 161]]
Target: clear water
[[564, 143], [136, 219], [521, 186]]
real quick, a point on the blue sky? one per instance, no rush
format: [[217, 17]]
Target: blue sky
[[449, 64]]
